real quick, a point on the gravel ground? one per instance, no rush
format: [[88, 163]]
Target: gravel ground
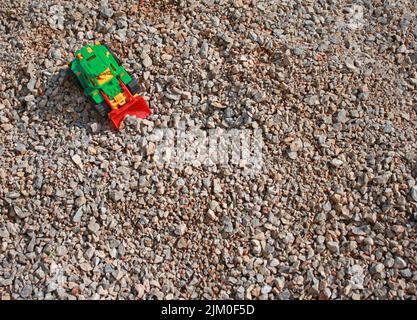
[[87, 214]]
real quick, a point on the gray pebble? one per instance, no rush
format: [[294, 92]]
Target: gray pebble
[[26, 291]]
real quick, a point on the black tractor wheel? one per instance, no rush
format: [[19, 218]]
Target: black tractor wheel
[[73, 78], [102, 108], [133, 86]]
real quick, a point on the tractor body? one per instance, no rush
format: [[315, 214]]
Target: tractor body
[[108, 86]]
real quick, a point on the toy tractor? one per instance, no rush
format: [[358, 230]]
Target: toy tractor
[[108, 86]]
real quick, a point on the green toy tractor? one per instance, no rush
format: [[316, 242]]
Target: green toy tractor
[[108, 86]]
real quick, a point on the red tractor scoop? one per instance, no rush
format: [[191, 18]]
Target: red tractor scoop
[[135, 106]]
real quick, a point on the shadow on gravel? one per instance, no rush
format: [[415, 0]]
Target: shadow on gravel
[[61, 103]]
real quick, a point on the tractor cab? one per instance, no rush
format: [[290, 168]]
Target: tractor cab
[[97, 70]]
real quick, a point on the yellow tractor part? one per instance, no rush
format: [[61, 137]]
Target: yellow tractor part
[[119, 100], [105, 76]]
